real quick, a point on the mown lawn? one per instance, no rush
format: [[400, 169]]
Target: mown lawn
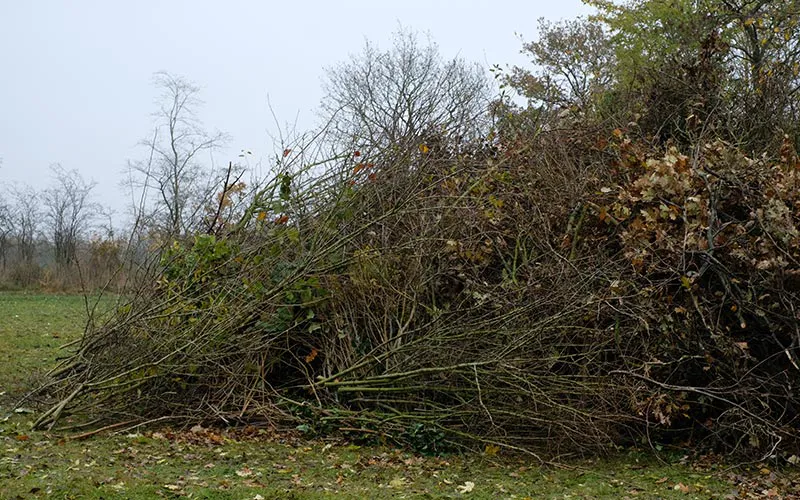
[[253, 464]]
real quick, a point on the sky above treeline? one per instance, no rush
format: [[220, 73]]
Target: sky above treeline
[[76, 83]]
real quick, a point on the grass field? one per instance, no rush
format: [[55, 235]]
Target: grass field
[[250, 464]]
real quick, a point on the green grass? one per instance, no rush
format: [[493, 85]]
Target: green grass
[[251, 464], [32, 329]]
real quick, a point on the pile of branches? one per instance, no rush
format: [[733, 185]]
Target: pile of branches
[[571, 293]]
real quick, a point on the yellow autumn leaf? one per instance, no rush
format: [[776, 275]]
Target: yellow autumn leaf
[[491, 450], [423, 148]]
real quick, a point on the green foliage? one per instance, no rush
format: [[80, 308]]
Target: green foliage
[[738, 62], [196, 262], [425, 439], [650, 34]]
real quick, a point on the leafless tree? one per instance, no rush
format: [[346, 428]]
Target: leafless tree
[[68, 211], [378, 99], [6, 231], [179, 182], [26, 221]]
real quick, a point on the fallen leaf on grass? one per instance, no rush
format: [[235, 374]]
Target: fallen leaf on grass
[[681, 487], [662, 480], [467, 487], [244, 472]]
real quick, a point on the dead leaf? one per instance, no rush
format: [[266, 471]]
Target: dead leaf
[[467, 487], [312, 355], [681, 487]]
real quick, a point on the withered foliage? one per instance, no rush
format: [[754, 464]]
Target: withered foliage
[[570, 292]]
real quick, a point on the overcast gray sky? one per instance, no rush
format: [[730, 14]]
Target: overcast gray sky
[[76, 76]]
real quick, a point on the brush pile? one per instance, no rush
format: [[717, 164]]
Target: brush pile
[[571, 292]]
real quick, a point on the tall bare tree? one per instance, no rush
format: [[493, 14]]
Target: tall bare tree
[[26, 217], [68, 211], [174, 173], [378, 99], [6, 231]]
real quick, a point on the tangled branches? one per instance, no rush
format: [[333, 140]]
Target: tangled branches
[[551, 296]]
